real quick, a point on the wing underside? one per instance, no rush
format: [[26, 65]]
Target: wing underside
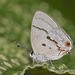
[[47, 37]]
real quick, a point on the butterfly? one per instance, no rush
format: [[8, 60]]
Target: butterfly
[[49, 41]]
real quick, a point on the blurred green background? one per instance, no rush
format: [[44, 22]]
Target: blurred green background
[[15, 25]]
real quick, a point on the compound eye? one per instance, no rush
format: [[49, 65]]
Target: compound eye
[[32, 52]]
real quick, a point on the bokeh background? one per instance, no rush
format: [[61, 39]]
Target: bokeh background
[[15, 25]]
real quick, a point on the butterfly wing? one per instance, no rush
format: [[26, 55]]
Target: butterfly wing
[[48, 38]]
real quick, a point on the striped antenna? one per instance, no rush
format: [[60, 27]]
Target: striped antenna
[[23, 46]]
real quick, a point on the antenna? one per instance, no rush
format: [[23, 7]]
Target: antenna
[[23, 46]]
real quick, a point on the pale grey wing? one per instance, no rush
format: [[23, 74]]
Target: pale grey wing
[[47, 37]]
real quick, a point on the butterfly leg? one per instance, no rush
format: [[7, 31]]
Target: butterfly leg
[[51, 62], [33, 62], [52, 66]]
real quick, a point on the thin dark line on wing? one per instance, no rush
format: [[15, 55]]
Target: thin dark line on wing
[[41, 29], [48, 37]]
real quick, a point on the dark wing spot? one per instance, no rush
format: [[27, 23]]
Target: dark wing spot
[[49, 47], [43, 44], [67, 44], [48, 37]]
